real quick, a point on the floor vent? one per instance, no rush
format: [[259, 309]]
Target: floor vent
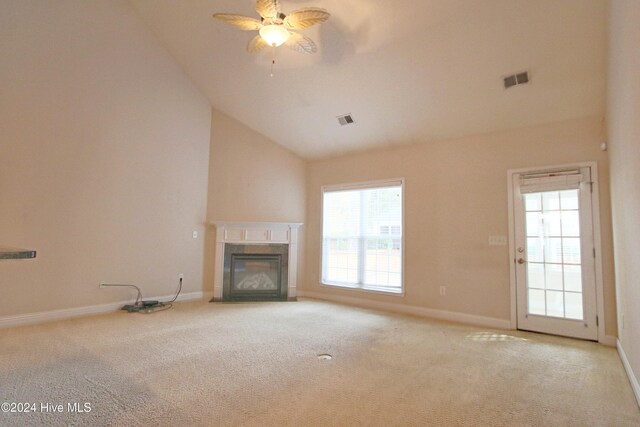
[[347, 119], [516, 79]]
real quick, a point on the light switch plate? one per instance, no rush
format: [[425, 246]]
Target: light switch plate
[[497, 240], [195, 234]]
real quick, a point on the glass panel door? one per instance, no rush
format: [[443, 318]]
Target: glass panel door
[[555, 269]]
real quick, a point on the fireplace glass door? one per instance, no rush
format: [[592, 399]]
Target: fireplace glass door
[[255, 276]]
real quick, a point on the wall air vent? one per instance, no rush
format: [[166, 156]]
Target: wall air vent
[[347, 119], [516, 79]]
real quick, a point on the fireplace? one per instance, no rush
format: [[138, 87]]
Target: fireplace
[[255, 261], [255, 272]]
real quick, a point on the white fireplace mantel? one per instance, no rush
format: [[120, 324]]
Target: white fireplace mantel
[[256, 233]]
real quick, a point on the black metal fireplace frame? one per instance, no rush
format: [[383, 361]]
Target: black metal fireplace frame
[[258, 252]]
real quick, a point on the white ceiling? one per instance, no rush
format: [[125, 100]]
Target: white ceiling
[[408, 71]]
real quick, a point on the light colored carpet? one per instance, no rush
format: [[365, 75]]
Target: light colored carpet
[[256, 364]]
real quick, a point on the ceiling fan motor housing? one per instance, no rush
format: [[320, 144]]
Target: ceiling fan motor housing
[[277, 20]]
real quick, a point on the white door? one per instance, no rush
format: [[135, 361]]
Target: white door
[[554, 253]]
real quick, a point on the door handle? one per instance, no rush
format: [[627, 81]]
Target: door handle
[[521, 261]]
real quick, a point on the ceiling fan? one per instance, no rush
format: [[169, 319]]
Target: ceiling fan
[[275, 28]]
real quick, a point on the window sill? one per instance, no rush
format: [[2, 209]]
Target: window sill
[[368, 289]]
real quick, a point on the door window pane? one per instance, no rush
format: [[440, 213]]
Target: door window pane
[[553, 250], [551, 200], [571, 223], [535, 275], [536, 302], [573, 278], [555, 303], [573, 304], [534, 223], [533, 202], [534, 249], [571, 250], [569, 199], [552, 224], [553, 276]]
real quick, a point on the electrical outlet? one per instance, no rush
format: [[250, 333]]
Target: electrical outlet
[[443, 291], [180, 276]]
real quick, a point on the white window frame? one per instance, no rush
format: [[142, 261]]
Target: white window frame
[[363, 186]]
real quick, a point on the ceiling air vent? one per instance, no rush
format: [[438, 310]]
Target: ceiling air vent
[[516, 79], [347, 119]]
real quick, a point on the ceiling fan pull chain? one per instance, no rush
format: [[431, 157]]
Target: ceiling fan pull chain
[[273, 58]]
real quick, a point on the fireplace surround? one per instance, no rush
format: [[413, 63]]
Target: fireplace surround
[[255, 261]]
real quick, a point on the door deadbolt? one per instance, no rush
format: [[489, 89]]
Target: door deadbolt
[[520, 260]]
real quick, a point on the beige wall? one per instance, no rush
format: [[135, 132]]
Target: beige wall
[[251, 178], [455, 198], [104, 147], [623, 118]]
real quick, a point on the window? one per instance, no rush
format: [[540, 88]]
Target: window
[[362, 236]]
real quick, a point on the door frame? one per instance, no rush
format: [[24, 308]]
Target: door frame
[[595, 207]]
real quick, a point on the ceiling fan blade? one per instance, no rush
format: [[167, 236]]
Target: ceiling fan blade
[[300, 43], [256, 44], [268, 8], [305, 18], [242, 22]]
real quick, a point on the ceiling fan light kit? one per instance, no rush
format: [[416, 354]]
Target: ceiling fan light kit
[[274, 35], [276, 29]]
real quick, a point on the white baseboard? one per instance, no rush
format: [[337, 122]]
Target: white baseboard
[[451, 316], [627, 367], [48, 316]]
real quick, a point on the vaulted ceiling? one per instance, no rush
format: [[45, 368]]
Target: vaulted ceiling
[[408, 71]]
